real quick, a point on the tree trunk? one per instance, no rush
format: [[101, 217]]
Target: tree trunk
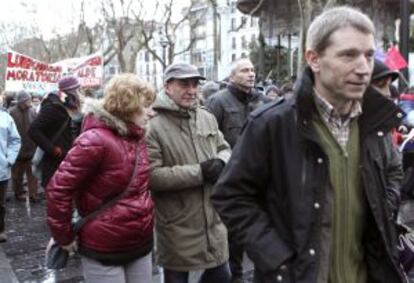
[[262, 51]]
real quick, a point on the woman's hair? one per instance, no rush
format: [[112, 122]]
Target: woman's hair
[[126, 95]]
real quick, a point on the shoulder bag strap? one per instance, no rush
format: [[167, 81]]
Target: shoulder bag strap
[[78, 224]]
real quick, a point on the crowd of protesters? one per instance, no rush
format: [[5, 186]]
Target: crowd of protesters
[[304, 177]]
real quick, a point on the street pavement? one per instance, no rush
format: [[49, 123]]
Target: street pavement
[[22, 257]]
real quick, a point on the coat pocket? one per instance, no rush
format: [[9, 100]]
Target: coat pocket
[[169, 207], [208, 143]]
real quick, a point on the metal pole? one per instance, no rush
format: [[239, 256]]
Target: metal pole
[[164, 57], [404, 35]]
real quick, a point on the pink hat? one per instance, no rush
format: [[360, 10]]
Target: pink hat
[[68, 83]]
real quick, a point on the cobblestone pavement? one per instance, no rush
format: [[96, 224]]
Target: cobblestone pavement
[[28, 236]]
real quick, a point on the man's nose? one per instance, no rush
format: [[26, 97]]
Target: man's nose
[[150, 112], [364, 65]]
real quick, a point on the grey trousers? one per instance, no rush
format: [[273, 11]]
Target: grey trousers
[[138, 271]]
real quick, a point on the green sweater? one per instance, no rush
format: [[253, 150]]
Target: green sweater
[[344, 262]]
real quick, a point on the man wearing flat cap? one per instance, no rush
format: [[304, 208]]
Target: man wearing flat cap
[[187, 154]]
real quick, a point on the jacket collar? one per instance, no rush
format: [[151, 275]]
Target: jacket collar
[[378, 112], [241, 95], [164, 103], [97, 117]]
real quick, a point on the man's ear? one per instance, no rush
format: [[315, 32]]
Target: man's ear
[[313, 60], [166, 87]]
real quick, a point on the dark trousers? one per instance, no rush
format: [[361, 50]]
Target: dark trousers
[[3, 189], [217, 274], [236, 259], [20, 168]]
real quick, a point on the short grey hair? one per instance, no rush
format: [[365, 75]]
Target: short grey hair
[[331, 20], [234, 65]]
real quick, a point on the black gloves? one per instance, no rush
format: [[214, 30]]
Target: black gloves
[[211, 169]]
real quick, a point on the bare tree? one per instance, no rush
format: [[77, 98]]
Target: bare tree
[[168, 28], [121, 28]]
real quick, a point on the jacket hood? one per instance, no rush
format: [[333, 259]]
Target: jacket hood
[[378, 112], [164, 103], [97, 117]]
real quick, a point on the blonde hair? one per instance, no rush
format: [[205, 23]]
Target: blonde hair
[[126, 95], [331, 20]]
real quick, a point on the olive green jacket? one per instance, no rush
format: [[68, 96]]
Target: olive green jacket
[[189, 232]]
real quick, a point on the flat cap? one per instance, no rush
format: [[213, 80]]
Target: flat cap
[[182, 71]]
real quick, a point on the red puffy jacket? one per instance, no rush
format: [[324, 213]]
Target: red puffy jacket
[[97, 168]]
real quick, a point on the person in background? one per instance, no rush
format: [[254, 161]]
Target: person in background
[[273, 92], [231, 107], [55, 118], [115, 246], [187, 153], [9, 149], [287, 90], [9, 100], [382, 78], [305, 190], [208, 89], [36, 101], [23, 115]]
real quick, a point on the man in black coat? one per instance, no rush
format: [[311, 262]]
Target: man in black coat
[[231, 107], [305, 189]]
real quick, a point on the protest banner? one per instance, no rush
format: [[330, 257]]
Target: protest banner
[[88, 69], [26, 73], [29, 74]]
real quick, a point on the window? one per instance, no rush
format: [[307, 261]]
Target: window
[[154, 68], [233, 7], [112, 70], [147, 70], [233, 24], [233, 57], [244, 42], [243, 21], [233, 43], [243, 55], [146, 56], [253, 38], [251, 22], [197, 58]]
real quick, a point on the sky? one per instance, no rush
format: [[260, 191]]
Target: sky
[[59, 15]]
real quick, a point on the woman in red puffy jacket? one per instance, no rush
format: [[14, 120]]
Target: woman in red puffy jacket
[[116, 244]]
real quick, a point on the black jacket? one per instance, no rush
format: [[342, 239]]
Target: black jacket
[[51, 117], [270, 193], [231, 107]]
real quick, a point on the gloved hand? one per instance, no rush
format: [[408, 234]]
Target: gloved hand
[[211, 169], [57, 152]]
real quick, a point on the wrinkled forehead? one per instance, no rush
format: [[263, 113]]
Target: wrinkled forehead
[[185, 82], [350, 37], [242, 65]]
